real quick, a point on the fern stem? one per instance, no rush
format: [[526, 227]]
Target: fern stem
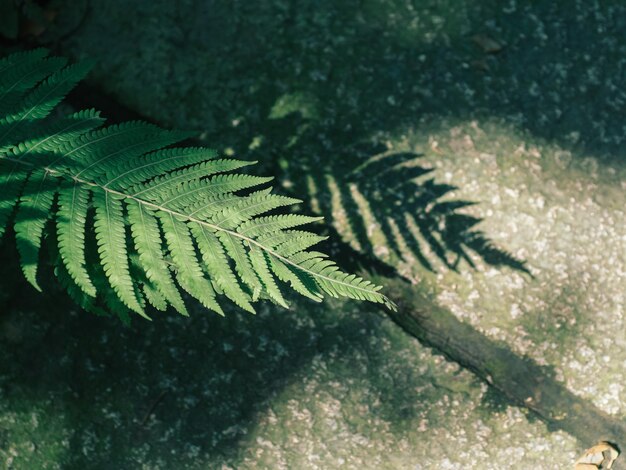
[[209, 225]]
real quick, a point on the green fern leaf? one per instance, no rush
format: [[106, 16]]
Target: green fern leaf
[[32, 214], [189, 273], [298, 243], [145, 232], [258, 203], [216, 264], [71, 225], [300, 280], [13, 176], [41, 101], [111, 237], [261, 265], [236, 249], [162, 219], [271, 224], [21, 74]]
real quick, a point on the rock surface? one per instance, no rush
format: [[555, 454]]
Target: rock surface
[[520, 106]]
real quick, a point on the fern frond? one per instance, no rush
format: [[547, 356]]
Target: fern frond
[[71, 227], [32, 214], [218, 268], [188, 273], [110, 234], [13, 176], [147, 238], [274, 223], [300, 280], [261, 265], [136, 222]]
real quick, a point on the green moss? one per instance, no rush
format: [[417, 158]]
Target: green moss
[[302, 103]]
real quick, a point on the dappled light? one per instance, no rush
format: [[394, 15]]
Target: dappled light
[[466, 156]]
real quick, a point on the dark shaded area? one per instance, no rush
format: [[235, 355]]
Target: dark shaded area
[[372, 66], [214, 372], [553, 59], [180, 386]]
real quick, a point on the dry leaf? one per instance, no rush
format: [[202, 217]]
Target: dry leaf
[[600, 456]]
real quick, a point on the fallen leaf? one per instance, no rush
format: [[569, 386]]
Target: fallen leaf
[[600, 456]]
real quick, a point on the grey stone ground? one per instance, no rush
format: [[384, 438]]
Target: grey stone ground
[[534, 132]]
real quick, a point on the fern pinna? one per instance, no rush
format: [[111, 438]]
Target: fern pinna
[[132, 220]]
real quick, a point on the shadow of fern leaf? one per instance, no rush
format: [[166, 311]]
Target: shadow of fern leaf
[[389, 207], [384, 204]]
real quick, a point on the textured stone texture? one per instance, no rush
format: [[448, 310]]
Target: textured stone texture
[[520, 105], [339, 387]]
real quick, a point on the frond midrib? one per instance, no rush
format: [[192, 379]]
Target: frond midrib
[[214, 227]]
